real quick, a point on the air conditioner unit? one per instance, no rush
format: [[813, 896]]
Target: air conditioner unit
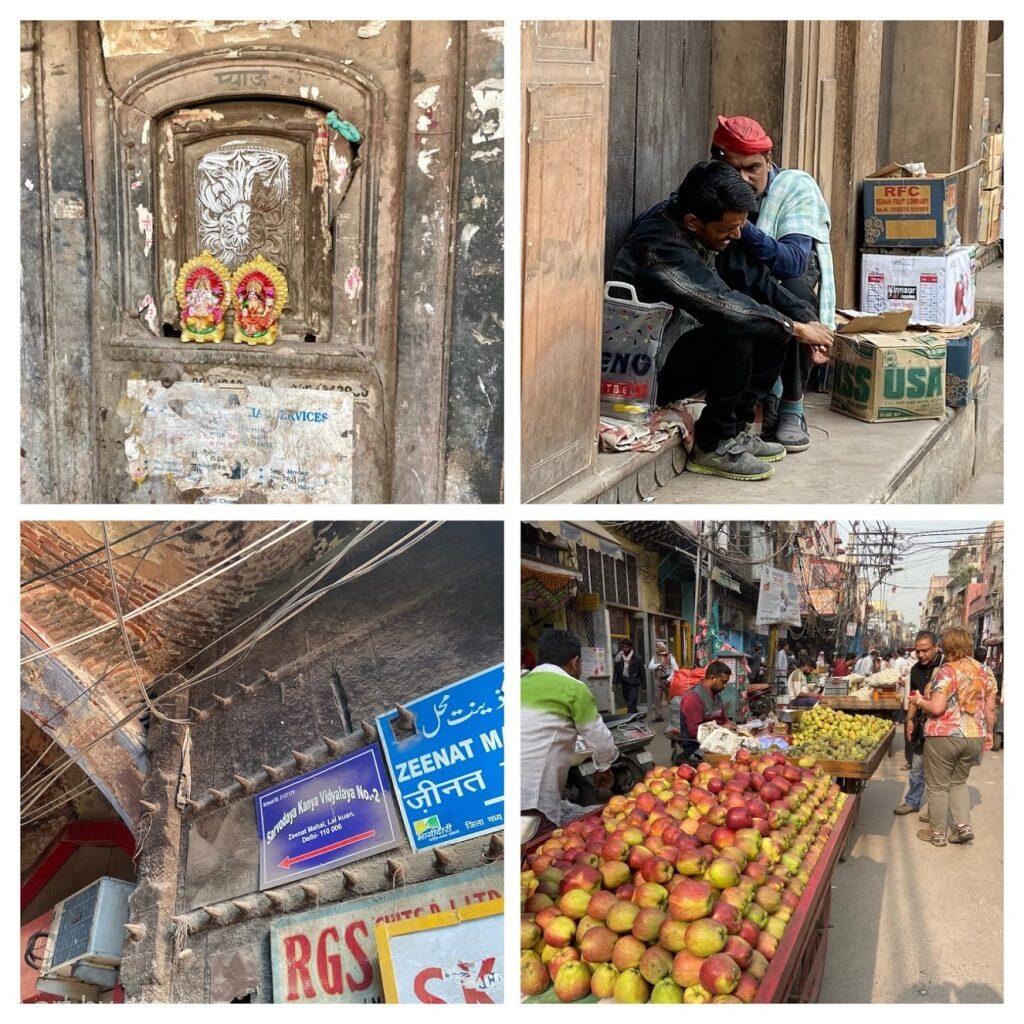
[[83, 952]]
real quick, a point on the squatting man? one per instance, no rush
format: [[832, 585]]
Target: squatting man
[[737, 334]]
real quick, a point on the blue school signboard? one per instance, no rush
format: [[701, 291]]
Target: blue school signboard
[[339, 813], [450, 775]]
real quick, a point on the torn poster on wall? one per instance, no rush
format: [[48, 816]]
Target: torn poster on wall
[[230, 440]]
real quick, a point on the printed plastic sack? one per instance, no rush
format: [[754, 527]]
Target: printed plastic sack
[[684, 679], [629, 354]]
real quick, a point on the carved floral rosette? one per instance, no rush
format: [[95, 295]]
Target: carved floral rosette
[[202, 291], [259, 292]]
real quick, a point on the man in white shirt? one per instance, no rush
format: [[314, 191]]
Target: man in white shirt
[[555, 709], [781, 667], [866, 665]]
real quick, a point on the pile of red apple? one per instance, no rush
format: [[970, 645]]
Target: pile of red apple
[[679, 892]]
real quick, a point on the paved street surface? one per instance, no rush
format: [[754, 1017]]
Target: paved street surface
[[912, 923]]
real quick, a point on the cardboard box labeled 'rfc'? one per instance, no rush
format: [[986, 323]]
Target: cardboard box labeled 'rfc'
[[910, 212], [937, 289], [888, 374]]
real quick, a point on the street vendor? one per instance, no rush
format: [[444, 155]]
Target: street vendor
[[790, 232], [733, 321], [703, 703], [800, 683], [555, 710], [866, 666]]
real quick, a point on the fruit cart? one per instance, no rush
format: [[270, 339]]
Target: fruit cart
[[851, 775], [795, 972], [887, 707]]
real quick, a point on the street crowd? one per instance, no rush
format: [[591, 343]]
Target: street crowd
[[950, 700]]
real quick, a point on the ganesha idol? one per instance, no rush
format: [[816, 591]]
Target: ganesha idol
[[259, 292], [202, 294]]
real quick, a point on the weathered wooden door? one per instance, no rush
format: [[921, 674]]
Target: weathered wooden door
[[565, 121], [659, 115]]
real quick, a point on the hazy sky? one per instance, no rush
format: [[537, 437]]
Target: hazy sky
[[920, 565]]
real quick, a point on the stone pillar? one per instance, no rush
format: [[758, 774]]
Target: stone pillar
[[424, 313], [858, 62], [147, 969]]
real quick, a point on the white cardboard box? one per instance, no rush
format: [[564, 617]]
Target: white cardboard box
[[937, 289]]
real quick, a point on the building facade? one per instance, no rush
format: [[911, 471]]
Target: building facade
[[364, 160], [179, 785]]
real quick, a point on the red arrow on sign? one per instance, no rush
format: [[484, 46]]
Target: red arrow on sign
[[289, 861]]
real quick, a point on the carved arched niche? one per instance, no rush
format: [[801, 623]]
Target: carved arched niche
[[230, 150]]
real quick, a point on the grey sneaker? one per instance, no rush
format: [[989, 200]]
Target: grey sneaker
[[791, 432], [730, 460], [766, 451]]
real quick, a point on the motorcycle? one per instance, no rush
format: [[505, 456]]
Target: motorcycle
[[632, 736]]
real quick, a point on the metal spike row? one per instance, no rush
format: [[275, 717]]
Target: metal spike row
[[406, 717], [220, 796], [199, 714], [146, 805], [442, 862], [247, 690], [351, 882], [245, 908], [272, 773], [369, 731], [277, 899], [395, 869], [247, 784], [301, 759], [334, 747], [135, 931], [269, 677], [496, 847], [224, 702], [185, 919], [194, 805], [312, 891], [214, 913]]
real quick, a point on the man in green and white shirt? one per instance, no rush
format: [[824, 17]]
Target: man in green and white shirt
[[555, 709]]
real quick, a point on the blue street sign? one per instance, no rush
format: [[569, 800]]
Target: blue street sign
[[340, 813], [450, 775]]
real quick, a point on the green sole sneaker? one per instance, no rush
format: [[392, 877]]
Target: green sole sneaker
[[771, 458], [694, 467]]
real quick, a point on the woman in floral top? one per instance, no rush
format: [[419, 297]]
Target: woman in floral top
[[961, 709]]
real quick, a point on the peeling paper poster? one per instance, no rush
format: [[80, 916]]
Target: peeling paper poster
[[292, 444]]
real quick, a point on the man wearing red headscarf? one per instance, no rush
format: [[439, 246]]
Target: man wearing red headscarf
[[789, 233]]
